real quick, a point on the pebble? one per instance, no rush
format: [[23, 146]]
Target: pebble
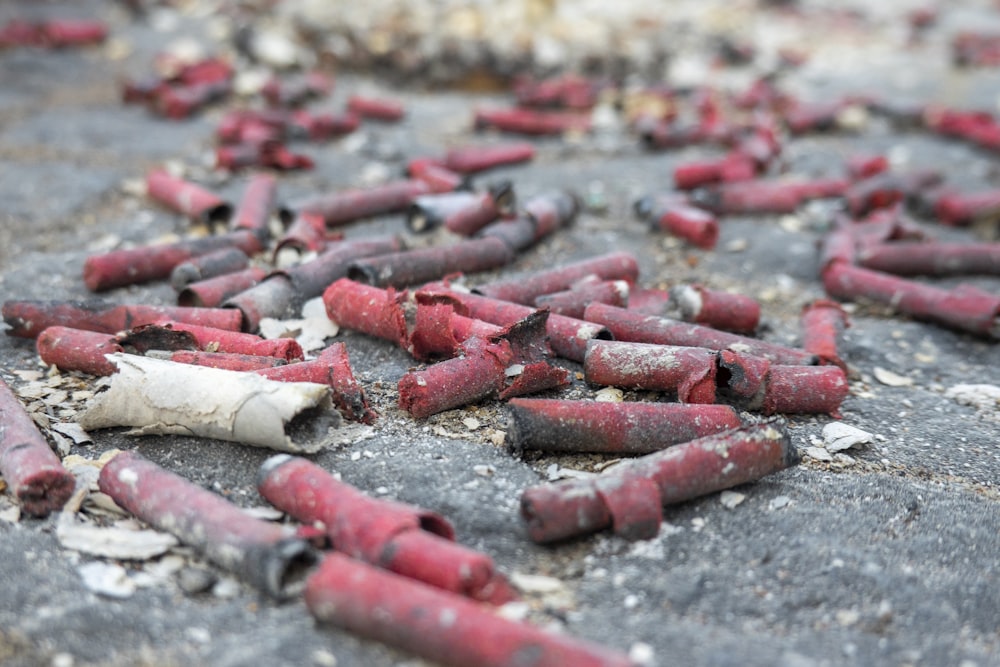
[[891, 379], [107, 579], [838, 436], [194, 580], [226, 587], [730, 499], [779, 502], [609, 395], [819, 454]]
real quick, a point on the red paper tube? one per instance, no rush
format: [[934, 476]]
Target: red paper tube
[[155, 262], [865, 166], [207, 70], [573, 302], [651, 301], [66, 32], [551, 210], [612, 266], [629, 498], [413, 267], [370, 310], [438, 331], [349, 205], [373, 108], [221, 340], [567, 336], [440, 179], [554, 425], [886, 189], [333, 368], [688, 371], [518, 234], [963, 307], [636, 327], [954, 208], [819, 117], [430, 211], [213, 292], [185, 197], [671, 215], [181, 101], [435, 625], [463, 213], [530, 122], [474, 159], [719, 310], [823, 322], [20, 33], [804, 390], [561, 92], [77, 350], [306, 233], [209, 265], [932, 258], [29, 318], [323, 126], [264, 554], [729, 169], [225, 360], [665, 134], [297, 91], [759, 196], [410, 541], [30, 468]]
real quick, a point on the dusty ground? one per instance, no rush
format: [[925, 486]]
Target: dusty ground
[[888, 557]]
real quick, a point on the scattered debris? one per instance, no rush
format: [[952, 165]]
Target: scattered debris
[[838, 436]]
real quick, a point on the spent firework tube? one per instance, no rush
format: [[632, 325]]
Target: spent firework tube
[[957, 208], [439, 178], [323, 126], [861, 166], [758, 196], [413, 267], [374, 108], [29, 318], [436, 625], [77, 350], [629, 498], [185, 197], [628, 325], [438, 330], [518, 234], [274, 296], [346, 206], [554, 425], [729, 169], [202, 267], [823, 322], [72, 32], [551, 210], [156, 262], [688, 371], [234, 342], [181, 101], [213, 292], [963, 307], [530, 121], [650, 300], [333, 368], [804, 389], [573, 302], [254, 209], [719, 310], [745, 376], [888, 188], [227, 361], [473, 159], [839, 244], [370, 310], [674, 216], [306, 233], [32, 471], [429, 212], [266, 555], [612, 266], [497, 202], [931, 258], [380, 532]]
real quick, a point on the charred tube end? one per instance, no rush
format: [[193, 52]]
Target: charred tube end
[[286, 215], [218, 214], [183, 275], [503, 197], [643, 207], [281, 569], [362, 273], [46, 491], [420, 219]]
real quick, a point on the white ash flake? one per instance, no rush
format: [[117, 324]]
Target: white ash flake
[[536, 584], [730, 499], [471, 423], [107, 579], [891, 379], [778, 503], [838, 436], [819, 454], [983, 397], [609, 395], [113, 541]]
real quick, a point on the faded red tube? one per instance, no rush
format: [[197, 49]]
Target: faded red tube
[[28, 318], [371, 310], [202, 267], [804, 389], [672, 215], [413, 267], [440, 179], [719, 310], [886, 189], [68, 32], [179, 101], [629, 325], [731, 168], [758, 196], [956, 208], [477, 374], [551, 210], [865, 166], [77, 350], [473, 159], [430, 211], [225, 360], [554, 425], [401, 538], [630, 496], [436, 625], [518, 234], [573, 302], [254, 210], [296, 91], [306, 233], [348, 205], [214, 291], [688, 371], [931, 258], [323, 126], [612, 266], [463, 213], [651, 301], [963, 307], [333, 368], [32, 471], [438, 330], [265, 554], [823, 322], [373, 108], [155, 262], [234, 342], [530, 122]]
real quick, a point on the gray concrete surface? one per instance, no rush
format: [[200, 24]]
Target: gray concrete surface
[[889, 559]]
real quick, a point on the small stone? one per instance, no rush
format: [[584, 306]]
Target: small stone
[[730, 499], [779, 503], [818, 454], [107, 579], [631, 601], [226, 587], [484, 470], [847, 617], [609, 395], [514, 611], [63, 660], [838, 436], [891, 379], [10, 514], [536, 584], [195, 580], [323, 658], [198, 635], [471, 423], [641, 653]]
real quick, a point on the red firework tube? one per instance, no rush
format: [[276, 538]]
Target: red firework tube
[[474, 159], [819, 188], [498, 201], [181, 101], [30, 468], [636, 327], [743, 376], [224, 360], [954, 208], [185, 197], [379, 532], [476, 375], [29, 318], [20, 33], [963, 307], [333, 368], [551, 210], [567, 336], [674, 217], [761, 196], [438, 330], [554, 425], [573, 302], [630, 496], [886, 189], [932, 258], [804, 389], [665, 134], [975, 49], [155, 262], [823, 322], [865, 166], [210, 265], [274, 296], [731, 168], [77, 350], [306, 233], [207, 70], [530, 121], [264, 554], [719, 310], [437, 177], [320, 127], [430, 211], [373, 108], [518, 234], [297, 91], [652, 301], [64, 32], [349, 205], [233, 126], [221, 340], [435, 625], [413, 267], [839, 244], [688, 371], [820, 117], [371, 310], [612, 266], [213, 292]]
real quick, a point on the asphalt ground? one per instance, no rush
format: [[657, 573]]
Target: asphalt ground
[[888, 557]]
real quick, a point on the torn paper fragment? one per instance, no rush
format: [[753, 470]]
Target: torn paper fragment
[[838, 436], [161, 397], [112, 542], [107, 579], [891, 379]]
